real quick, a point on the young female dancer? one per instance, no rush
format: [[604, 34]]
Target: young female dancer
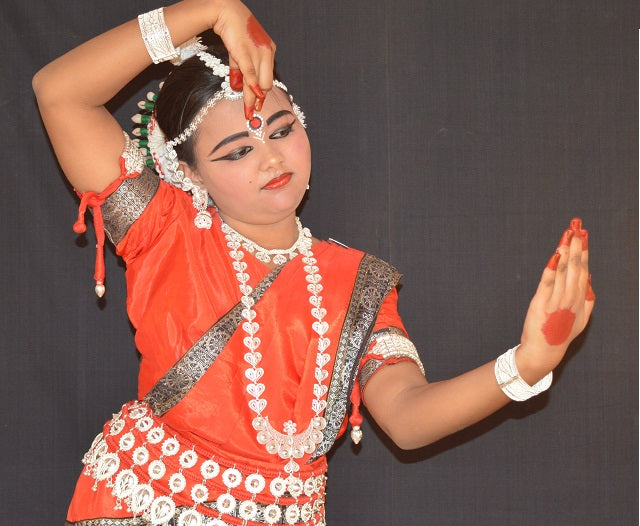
[[258, 341]]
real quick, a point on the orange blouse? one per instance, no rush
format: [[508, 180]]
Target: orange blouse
[[180, 280]]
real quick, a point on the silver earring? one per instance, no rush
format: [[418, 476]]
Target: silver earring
[[200, 202]]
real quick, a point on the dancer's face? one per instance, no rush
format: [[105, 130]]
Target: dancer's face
[[250, 180]]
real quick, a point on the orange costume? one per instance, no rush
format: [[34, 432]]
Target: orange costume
[[186, 453]]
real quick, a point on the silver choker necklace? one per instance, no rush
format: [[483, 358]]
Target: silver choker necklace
[[265, 255]]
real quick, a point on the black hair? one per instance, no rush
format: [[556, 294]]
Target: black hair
[[185, 91]]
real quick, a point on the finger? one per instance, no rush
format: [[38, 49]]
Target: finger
[[545, 286], [260, 96], [265, 76], [574, 288], [235, 77], [589, 303], [265, 71], [584, 266], [583, 272], [590, 296], [559, 283], [249, 76], [249, 102]]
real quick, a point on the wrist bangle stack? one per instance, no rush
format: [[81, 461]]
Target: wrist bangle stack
[[512, 384], [156, 37]]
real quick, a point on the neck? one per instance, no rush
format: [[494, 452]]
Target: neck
[[280, 234]]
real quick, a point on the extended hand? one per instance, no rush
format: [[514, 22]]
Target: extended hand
[[562, 305]]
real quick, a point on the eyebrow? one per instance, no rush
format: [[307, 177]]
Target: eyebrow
[[228, 140], [235, 136], [277, 115]]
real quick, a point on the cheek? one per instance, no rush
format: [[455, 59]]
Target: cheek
[[230, 182], [302, 150]]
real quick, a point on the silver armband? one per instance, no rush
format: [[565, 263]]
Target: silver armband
[[392, 345]]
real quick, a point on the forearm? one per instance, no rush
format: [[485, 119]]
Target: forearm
[[73, 89], [97, 70], [421, 413], [433, 411], [415, 413]]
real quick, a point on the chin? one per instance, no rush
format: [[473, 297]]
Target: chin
[[287, 198]]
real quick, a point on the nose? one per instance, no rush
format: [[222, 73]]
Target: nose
[[272, 157]]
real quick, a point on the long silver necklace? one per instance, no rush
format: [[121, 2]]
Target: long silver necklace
[[289, 444]]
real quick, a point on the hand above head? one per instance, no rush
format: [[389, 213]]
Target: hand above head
[[560, 308], [251, 53]]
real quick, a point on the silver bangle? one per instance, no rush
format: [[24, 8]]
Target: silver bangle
[[510, 381], [156, 37]]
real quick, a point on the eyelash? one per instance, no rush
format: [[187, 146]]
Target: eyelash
[[238, 154], [285, 131]]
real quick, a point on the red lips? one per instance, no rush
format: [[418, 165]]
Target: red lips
[[278, 182]]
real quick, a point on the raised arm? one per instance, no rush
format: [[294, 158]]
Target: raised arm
[[415, 413], [72, 90]]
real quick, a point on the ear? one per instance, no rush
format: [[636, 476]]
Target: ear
[[192, 173]]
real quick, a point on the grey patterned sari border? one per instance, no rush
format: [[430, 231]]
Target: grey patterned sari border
[[375, 279], [126, 204], [188, 370]]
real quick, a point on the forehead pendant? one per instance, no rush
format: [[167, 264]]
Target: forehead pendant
[[255, 125]]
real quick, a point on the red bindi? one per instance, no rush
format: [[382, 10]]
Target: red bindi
[[255, 123], [558, 326], [257, 33]]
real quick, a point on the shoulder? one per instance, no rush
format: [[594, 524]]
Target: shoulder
[[366, 266]]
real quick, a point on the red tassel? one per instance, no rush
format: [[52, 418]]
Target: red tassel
[[94, 201], [356, 418]]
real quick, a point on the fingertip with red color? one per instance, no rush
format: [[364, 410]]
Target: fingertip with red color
[[565, 241], [584, 234], [248, 111], [576, 224], [553, 261], [235, 79], [257, 91]]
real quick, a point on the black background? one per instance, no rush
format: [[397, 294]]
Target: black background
[[453, 139]]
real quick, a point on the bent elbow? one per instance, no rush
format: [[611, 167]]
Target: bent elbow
[[38, 82], [409, 445], [45, 90], [406, 440]]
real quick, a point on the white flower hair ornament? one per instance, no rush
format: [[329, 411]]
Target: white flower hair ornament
[[160, 152]]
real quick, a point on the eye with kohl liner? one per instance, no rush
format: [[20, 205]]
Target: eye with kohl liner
[[283, 132], [235, 155]]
